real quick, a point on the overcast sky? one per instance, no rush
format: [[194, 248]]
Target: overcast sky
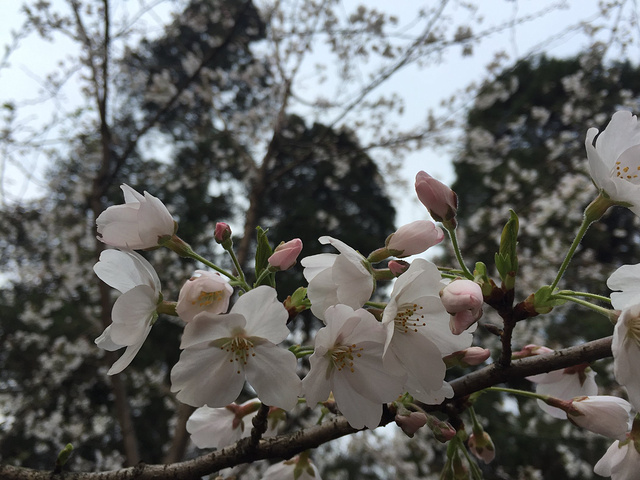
[[421, 89]]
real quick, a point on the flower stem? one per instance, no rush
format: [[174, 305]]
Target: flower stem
[[585, 294], [604, 311], [522, 393], [593, 212], [456, 249]]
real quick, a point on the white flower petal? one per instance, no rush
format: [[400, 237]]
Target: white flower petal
[[359, 411], [272, 374], [132, 313], [129, 354], [207, 376], [266, 316]]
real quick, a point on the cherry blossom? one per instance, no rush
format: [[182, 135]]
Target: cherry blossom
[[417, 332], [221, 350], [626, 340], [337, 278], [136, 225], [220, 427], [620, 462], [348, 362], [601, 414], [414, 238], [296, 468], [285, 255], [135, 310], [440, 200], [565, 384], [463, 300], [203, 292], [614, 159]]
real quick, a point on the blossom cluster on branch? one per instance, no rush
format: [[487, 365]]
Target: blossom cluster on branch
[[371, 356]]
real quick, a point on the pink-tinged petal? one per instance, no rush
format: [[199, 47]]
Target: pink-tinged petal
[[128, 355], [131, 314], [204, 292], [207, 327], [286, 254], [359, 411], [207, 376], [316, 384], [272, 374], [414, 238], [266, 316], [422, 278]]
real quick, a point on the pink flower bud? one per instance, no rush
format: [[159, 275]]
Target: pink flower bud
[[286, 254], [463, 300], [222, 232], [203, 292], [482, 446], [411, 423], [414, 238], [398, 267], [440, 200], [469, 357]]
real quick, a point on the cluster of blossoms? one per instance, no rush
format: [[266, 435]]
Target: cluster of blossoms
[[367, 354]]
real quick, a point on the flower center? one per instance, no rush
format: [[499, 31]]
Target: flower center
[[627, 166], [342, 356], [409, 318], [240, 347], [207, 298], [634, 329]]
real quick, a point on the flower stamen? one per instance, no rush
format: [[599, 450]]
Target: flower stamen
[[342, 356], [409, 318]]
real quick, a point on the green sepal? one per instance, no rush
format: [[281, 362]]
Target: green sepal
[[543, 301], [63, 457], [263, 252], [507, 258]]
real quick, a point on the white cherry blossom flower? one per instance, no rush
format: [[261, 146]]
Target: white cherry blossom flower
[[621, 462], [296, 468], [221, 350], [348, 362], [602, 414], [220, 427], [337, 279], [136, 225], [418, 334], [565, 384], [135, 310], [203, 292], [614, 159], [626, 334]]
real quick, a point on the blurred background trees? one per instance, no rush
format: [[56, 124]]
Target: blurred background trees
[[213, 111]]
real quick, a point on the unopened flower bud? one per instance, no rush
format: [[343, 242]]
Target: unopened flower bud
[[414, 238], [411, 423], [440, 200], [443, 431], [463, 300], [469, 357], [482, 446], [286, 254], [222, 233], [203, 292], [398, 267]]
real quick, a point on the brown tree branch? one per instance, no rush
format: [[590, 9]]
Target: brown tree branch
[[285, 446]]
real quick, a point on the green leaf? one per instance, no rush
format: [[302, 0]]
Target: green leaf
[[263, 252]]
